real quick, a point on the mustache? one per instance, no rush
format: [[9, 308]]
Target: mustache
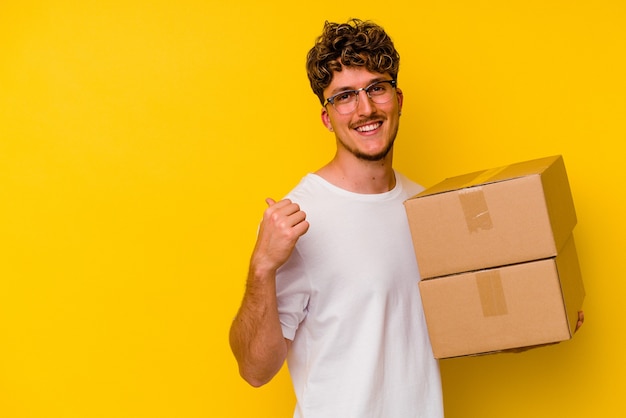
[[365, 121]]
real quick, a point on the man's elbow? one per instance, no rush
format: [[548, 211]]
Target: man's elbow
[[254, 370], [255, 379]]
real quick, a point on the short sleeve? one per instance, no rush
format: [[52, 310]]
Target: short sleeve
[[293, 293]]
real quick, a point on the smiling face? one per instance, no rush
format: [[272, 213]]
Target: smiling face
[[369, 132]]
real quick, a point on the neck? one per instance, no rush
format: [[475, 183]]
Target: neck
[[360, 176]]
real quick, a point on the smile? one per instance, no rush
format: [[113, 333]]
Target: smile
[[369, 127]]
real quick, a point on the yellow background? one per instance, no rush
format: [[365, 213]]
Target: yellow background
[[138, 140]]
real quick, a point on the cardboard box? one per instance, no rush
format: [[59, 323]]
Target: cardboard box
[[515, 306], [492, 218]]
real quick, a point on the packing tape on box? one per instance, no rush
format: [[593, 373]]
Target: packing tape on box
[[484, 177], [475, 209], [491, 292]]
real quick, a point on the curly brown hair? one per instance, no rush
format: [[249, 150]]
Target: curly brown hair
[[354, 43]]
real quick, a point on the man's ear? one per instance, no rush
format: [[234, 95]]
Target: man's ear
[[326, 119], [400, 99]]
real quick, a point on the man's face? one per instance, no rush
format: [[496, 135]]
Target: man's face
[[368, 133]]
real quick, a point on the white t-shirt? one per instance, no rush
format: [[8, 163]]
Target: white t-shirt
[[349, 300]]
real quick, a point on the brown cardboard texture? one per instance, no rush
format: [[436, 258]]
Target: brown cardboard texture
[[491, 218], [521, 305]]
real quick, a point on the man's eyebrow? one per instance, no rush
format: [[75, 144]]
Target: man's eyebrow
[[352, 88], [341, 90]]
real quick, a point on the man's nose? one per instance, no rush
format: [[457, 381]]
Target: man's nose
[[364, 104]]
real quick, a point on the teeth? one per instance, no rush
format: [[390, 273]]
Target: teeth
[[367, 128]]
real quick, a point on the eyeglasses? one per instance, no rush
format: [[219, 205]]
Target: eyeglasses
[[346, 101]]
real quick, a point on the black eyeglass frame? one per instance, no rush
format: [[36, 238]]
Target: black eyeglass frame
[[356, 92]]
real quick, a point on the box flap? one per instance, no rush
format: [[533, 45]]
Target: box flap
[[512, 171]]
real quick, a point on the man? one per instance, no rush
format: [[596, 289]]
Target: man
[[332, 285]]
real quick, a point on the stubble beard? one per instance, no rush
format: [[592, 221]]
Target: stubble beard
[[371, 157]]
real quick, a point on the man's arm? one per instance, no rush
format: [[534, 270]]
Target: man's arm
[[256, 337]]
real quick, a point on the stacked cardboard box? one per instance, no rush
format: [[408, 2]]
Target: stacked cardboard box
[[497, 258]]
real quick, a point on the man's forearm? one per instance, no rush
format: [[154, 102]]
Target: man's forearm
[[256, 337]]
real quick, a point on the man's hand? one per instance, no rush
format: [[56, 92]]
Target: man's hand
[[282, 225], [581, 320]]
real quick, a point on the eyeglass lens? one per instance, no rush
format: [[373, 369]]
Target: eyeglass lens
[[346, 102]]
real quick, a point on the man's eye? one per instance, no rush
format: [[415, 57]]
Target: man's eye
[[378, 89], [344, 97]]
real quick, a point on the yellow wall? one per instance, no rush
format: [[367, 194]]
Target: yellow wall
[[138, 140]]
